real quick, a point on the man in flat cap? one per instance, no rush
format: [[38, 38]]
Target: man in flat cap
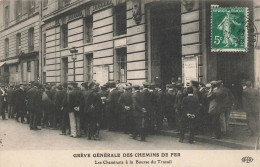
[[216, 97]]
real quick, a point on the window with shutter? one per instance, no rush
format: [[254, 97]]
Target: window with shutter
[[6, 47], [88, 34]]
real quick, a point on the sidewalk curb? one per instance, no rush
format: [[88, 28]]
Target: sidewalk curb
[[223, 142]]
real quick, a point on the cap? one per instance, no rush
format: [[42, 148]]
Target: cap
[[59, 87], [214, 83], [136, 86], [146, 84], [85, 85], [91, 84], [74, 84], [195, 83], [112, 84], [208, 85], [128, 87], [169, 86]]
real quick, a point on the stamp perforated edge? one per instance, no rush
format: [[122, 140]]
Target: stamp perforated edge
[[246, 32]]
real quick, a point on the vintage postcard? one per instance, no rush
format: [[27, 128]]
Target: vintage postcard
[[129, 83]]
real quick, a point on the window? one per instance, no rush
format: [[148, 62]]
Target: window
[[120, 19], [64, 67], [44, 44], [28, 66], [31, 6], [6, 47], [45, 3], [6, 68], [88, 34], [62, 3], [31, 39], [121, 64], [6, 16], [17, 67], [18, 10], [64, 39], [18, 43], [89, 65], [66, 2]]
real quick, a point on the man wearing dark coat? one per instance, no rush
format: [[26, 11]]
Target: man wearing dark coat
[[113, 107], [92, 103], [20, 97], [59, 96], [189, 111], [2, 101], [125, 102], [169, 111], [10, 101], [34, 105], [74, 99], [103, 93], [250, 98], [139, 113], [65, 122]]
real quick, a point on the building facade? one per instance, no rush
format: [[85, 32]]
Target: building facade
[[19, 41], [127, 40]]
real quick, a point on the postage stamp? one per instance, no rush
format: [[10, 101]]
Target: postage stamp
[[229, 29]]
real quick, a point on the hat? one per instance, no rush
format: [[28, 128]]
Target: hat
[[85, 85], [128, 87], [112, 84], [59, 87], [74, 84], [208, 85], [214, 83], [48, 87], [146, 84], [179, 84], [91, 84], [36, 84], [220, 82], [136, 87], [194, 83], [152, 85], [169, 86]]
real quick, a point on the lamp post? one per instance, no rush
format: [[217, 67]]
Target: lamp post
[[74, 52]]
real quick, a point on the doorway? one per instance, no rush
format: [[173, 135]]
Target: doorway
[[165, 42]]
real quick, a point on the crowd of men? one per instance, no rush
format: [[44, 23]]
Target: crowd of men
[[137, 110]]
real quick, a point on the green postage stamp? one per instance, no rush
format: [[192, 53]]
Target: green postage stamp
[[229, 29]]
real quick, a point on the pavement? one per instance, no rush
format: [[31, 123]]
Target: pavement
[[18, 136], [237, 138]]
